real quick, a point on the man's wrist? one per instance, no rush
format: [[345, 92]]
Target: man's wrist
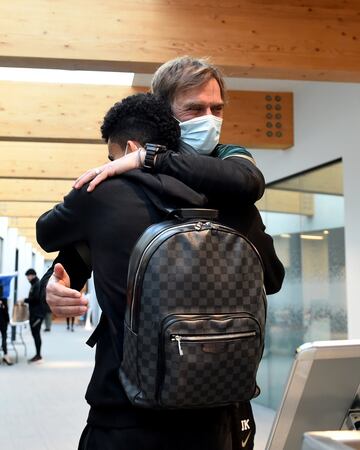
[[141, 157], [151, 151]]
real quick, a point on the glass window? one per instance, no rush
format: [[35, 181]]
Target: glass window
[[305, 216]]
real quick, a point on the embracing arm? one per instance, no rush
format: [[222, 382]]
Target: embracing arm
[[59, 229], [236, 177], [247, 220], [229, 173], [274, 271]]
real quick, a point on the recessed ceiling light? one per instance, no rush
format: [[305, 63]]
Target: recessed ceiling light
[[66, 76], [313, 237]]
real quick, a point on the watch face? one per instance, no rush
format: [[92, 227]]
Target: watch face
[[156, 148]]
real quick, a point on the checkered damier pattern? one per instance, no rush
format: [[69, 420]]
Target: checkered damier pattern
[[206, 282], [214, 369]]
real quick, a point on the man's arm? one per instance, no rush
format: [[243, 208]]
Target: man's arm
[[235, 178], [230, 173], [61, 226], [60, 229], [248, 221]]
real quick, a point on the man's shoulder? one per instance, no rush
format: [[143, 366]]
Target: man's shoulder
[[117, 186], [224, 151]]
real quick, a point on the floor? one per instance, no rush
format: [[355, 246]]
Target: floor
[[42, 406]]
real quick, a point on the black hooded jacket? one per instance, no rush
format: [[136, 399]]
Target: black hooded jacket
[[110, 220], [36, 304]]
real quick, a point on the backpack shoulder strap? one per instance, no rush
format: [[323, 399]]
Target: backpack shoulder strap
[[84, 251]]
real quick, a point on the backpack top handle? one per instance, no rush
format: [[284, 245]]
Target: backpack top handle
[[193, 213]]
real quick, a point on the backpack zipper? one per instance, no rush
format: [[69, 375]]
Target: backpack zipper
[[191, 338]]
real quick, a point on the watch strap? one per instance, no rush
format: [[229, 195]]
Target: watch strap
[[151, 150]]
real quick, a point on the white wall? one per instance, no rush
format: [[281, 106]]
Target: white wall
[[28, 258], [3, 226], [327, 127], [3, 234], [39, 265]]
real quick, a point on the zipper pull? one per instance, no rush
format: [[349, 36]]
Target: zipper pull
[[177, 338]]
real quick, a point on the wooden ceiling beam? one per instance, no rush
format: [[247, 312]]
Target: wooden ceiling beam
[[27, 233], [48, 159], [24, 208], [287, 202], [56, 111], [313, 40], [22, 190], [28, 223], [254, 119]]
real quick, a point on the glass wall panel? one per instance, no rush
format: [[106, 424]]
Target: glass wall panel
[[305, 216]]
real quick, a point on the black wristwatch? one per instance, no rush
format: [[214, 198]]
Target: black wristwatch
[[151, 151]]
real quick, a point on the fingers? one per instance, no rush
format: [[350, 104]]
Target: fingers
[[59, 276], [85, 178], [59, 271], [99, 174], [68, 311], [64, 301], [55, 290], [98, 179]]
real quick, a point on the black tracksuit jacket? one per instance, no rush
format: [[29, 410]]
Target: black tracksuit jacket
[[35, 301], [110, 220]]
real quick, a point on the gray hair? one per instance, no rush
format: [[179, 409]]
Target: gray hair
[[183, 73]]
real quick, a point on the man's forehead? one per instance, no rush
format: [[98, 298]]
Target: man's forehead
[[208, 93]]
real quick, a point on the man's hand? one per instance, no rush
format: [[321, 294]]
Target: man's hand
[[96, 176], [64, 301]]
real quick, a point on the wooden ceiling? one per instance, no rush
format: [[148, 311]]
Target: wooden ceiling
[[49, 133], [289, 39]]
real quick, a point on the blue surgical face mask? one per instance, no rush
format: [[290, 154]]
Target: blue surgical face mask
[[201, 133]]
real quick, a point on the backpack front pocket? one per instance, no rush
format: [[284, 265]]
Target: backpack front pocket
[[208, 360]]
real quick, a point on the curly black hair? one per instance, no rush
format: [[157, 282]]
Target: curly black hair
[[144, 118]]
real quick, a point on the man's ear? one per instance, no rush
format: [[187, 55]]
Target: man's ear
[[133, 146]]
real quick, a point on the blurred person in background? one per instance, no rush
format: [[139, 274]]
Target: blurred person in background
[[4, 322], [70, 323], [36, 312]]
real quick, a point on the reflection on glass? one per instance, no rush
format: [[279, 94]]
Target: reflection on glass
[[305, 216]]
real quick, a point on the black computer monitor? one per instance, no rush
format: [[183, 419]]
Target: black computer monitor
[[322, 386]]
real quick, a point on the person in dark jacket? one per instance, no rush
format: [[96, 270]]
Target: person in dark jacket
[[4, 322], [36, 312], [110, 220]]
